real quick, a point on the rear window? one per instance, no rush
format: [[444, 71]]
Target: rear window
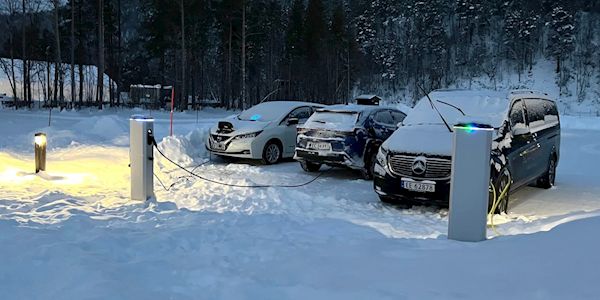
[[332, 120]]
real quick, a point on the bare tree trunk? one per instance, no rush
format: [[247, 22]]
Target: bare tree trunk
[[73, 92], [243, 63], [228, 88], [119, 45], [58, 70], [80, 57], [100, 70], [24, 55], [184, 100]]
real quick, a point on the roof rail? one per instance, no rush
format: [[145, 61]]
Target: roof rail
[[450, 90], [524, 91]]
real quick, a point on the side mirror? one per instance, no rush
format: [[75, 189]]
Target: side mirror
[[520, 131], [292, 121], [400, 124]]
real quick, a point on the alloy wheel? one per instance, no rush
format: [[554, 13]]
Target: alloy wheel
[[272, 153]]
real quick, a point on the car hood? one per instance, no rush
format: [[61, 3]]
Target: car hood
[[238, 126], [430, 139]]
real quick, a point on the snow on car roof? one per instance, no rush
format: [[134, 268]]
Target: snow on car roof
[[272, 110], [517, 94], [353, 108], [491, 106]]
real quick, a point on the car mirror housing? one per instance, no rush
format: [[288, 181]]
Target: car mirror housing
[[292, 121], [400, 124]]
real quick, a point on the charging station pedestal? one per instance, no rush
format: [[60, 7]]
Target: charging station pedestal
[[141, 157], [471, 147]]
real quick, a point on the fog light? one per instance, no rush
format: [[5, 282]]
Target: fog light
[[40, 151]]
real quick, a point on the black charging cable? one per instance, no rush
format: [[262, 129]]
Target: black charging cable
[[150, 136]]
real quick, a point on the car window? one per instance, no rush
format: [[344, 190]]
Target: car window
[[384, 117], [398, 116], [536, 112], [301, 113], [517, 118], [551, 115], [551, 108]]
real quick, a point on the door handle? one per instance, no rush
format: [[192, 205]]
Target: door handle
[[530, 150]]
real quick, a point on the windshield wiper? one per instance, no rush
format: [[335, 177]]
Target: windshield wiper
[[454, 106], [435, 108]]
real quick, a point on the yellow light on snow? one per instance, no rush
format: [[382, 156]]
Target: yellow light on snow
[[98, 175]]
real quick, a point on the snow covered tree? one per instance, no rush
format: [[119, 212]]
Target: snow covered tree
[[562, 34]]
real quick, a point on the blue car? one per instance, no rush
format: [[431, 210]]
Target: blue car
[[345, 136]]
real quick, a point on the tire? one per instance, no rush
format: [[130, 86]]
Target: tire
[[500, 183], [271, 153], [547, 180], [310, 166], [367, 171]]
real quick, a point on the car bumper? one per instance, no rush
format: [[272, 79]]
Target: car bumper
[[391, 186], [329, 158], [239, 149]]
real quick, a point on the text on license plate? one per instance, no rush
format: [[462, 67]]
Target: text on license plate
[[318, 146], [418, 186]]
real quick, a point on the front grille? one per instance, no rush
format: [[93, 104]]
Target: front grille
[[436, 167], [219, 138]]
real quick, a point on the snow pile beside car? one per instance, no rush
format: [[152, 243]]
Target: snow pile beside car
[[184, 150]]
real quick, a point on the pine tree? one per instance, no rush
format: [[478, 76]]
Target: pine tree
[[562, 34]]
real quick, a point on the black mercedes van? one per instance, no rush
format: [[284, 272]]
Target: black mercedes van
[[414, 164]]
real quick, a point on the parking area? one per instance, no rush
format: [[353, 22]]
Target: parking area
[[77, 158], [75, 224]]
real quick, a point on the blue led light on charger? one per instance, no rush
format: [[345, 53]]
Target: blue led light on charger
[[255, 117], [472, 127]]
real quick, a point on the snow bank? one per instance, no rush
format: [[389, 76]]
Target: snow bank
[[107, 128], [184, 150]]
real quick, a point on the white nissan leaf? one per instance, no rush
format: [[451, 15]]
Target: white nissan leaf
[[266, 131]]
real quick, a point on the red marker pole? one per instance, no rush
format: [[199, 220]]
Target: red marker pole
[[172, 107]]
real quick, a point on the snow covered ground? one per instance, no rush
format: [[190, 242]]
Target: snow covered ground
[[73, 233]]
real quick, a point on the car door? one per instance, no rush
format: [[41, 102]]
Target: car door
[[539, 149], [288, 137], [520, 142], [384, 124]]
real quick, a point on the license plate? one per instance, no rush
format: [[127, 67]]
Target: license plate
[[418, 186], [319, 146]]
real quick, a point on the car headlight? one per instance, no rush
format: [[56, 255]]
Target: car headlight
[[248, 135], [382, 156]]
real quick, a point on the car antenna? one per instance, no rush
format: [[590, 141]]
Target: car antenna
[[435, 108]]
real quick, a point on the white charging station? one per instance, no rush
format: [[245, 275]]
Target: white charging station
[[141, 157], [471, 146]]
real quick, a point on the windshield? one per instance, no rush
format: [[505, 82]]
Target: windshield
[[332, 120], [452, 106], [265, 112], [423, 113]]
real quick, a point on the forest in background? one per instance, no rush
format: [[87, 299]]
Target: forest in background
[[241, 52]]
